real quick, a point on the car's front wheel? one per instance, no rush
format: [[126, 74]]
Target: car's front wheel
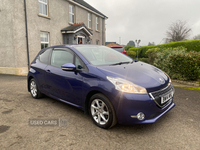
[[35, 93], [102, 111]]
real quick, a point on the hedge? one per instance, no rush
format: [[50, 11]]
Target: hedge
[[178, 63], [191, 45], [185, 66], [131, 54]]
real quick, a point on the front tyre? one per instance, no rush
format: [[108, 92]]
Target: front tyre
[[102, 111], [35, 93]]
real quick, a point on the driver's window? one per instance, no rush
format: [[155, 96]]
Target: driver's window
[[61, 57], [79, 63]]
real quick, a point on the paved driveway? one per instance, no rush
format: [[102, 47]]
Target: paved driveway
[[178, 129]]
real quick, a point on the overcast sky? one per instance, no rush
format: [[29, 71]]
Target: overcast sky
[[147, 20]]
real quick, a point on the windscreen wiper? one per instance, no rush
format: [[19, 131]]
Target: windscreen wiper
[[120, 63]]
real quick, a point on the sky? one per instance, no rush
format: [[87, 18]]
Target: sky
[[147, 20]]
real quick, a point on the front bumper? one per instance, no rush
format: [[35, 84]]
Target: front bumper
[[127, 105]]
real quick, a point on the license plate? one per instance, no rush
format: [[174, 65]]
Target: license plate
[[166, 97]]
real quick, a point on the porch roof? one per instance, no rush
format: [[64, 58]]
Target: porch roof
[[75, 28]]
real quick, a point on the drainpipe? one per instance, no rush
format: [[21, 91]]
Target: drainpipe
[[26, 33], [103, 31]]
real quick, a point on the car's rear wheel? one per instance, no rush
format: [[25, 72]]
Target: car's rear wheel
[[35, 93], [102, 111]]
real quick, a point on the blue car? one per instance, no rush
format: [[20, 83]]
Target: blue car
[[110, 86]]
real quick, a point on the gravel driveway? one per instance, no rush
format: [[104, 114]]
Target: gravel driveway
[[178, 129]]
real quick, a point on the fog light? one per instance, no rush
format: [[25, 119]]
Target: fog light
[[140, 116]]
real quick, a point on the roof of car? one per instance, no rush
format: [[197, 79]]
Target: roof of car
[[67, 45]]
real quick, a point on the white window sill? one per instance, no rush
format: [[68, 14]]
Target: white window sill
[[40, 15], [70, 23]]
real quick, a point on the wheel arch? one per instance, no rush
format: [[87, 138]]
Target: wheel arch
[[89, 95], [87, 100]]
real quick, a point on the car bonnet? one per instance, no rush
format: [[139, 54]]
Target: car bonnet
[[139, 73]]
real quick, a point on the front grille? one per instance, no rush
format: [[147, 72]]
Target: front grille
[[158, 94]]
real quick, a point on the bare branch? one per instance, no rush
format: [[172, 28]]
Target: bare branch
[[178, 31]]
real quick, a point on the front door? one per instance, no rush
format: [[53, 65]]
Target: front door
[[81, 40], [64, 85]]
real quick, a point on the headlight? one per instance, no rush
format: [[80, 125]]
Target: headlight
[[126, 86], [168, 77]]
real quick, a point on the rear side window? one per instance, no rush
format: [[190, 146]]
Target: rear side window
[[119, 49], [61, 57], [44, 56]]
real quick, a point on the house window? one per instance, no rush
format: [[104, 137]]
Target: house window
[[44, 37], [71, 14], [43, 8], [89, 21], [97, 23]]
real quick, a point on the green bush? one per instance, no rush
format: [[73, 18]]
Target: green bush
[[191, 45], [185, 66], [162, 60], [131, 54], [146, 60], [152, 54], [127, 47], [179, 63], [139, 52]]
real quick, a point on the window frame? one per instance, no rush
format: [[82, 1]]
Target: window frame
[[60, 49], [47, 10], [72, 14], [97, 23], [85, 68], [49, 57], [43, 42], [89, 20], [79, 36]]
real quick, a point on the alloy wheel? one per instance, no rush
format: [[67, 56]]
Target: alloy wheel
[[99, 112], [33, 88]]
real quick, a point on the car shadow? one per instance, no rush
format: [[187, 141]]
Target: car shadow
[[139, 129]]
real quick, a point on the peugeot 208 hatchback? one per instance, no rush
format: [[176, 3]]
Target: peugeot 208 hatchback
[[110, 86]]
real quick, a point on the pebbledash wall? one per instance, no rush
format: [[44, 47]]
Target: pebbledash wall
[[13, 49]]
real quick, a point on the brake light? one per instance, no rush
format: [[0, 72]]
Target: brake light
[[124, 53]]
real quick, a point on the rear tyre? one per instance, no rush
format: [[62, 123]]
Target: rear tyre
[[102, 111], [35, 93]]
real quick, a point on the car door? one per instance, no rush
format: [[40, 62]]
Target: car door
[[64, 85], [38, 67]]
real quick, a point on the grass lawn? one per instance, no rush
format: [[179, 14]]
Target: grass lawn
[[189, 88]]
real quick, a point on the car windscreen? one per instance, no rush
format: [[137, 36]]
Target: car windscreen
[[119, 49], [102, 55]]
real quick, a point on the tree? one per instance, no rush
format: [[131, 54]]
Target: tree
[[149, 44], [131, 43], [196, 37], [178, 31], [127, 47]]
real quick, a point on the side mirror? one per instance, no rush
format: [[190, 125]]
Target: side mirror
[[68, 67]]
